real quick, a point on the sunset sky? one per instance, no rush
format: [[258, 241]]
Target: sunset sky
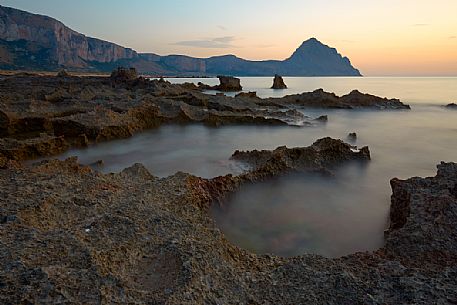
[[382, 38]]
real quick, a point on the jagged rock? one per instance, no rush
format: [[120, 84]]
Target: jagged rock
[[59, 95], [358, 99], [85, 110], [63, 73], [226, 83], [321, 99], [247, 94], [451, 106], [323, 154], [27, 149], [124, 74], [422, 219], [52, 44], [72, 235], [29, 126], [278, 83]]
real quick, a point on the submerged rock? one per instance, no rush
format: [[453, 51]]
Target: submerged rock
[[451, 106], [352, 136], [278, 83]]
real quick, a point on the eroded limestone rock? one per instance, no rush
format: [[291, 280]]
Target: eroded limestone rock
[[72, 235]]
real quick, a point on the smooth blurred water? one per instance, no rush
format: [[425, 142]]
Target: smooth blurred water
[[307, 214]]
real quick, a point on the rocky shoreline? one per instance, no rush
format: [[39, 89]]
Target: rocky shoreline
[[46, 115], [69, 234]]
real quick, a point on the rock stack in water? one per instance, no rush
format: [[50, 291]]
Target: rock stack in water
[[278, 83], [226, 83], [229, 83], [352, 137]]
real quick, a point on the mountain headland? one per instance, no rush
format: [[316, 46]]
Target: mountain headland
[[35, 42]]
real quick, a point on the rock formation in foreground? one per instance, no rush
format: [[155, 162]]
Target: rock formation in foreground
[[34, 42], [278, 83], [69, 234], [47, 115]]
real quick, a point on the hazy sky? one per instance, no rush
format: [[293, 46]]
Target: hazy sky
[[388, 37]]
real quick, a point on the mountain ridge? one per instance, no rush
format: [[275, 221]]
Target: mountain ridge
[[38, 42]]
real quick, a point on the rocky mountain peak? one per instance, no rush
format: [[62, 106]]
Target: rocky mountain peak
[[35, 42], [313, 55]]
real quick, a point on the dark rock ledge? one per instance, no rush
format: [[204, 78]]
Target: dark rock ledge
[[71, 235], [226, 84], [46, 115]]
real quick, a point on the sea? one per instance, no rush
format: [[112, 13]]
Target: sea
[[306, 214]]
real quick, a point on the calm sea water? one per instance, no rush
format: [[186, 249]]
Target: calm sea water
[[307, 214]]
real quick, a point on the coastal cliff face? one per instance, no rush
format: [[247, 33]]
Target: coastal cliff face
[[35, 42], [65, 46]]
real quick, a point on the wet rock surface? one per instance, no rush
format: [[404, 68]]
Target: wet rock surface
[[69, 234], [45, 115], [321, 156], [452, 106], [247, 94], [354, 100]]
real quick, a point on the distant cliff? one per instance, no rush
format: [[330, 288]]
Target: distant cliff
[[34, 42], [63, 46]]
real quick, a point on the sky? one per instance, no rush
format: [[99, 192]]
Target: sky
[[381, 38]]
